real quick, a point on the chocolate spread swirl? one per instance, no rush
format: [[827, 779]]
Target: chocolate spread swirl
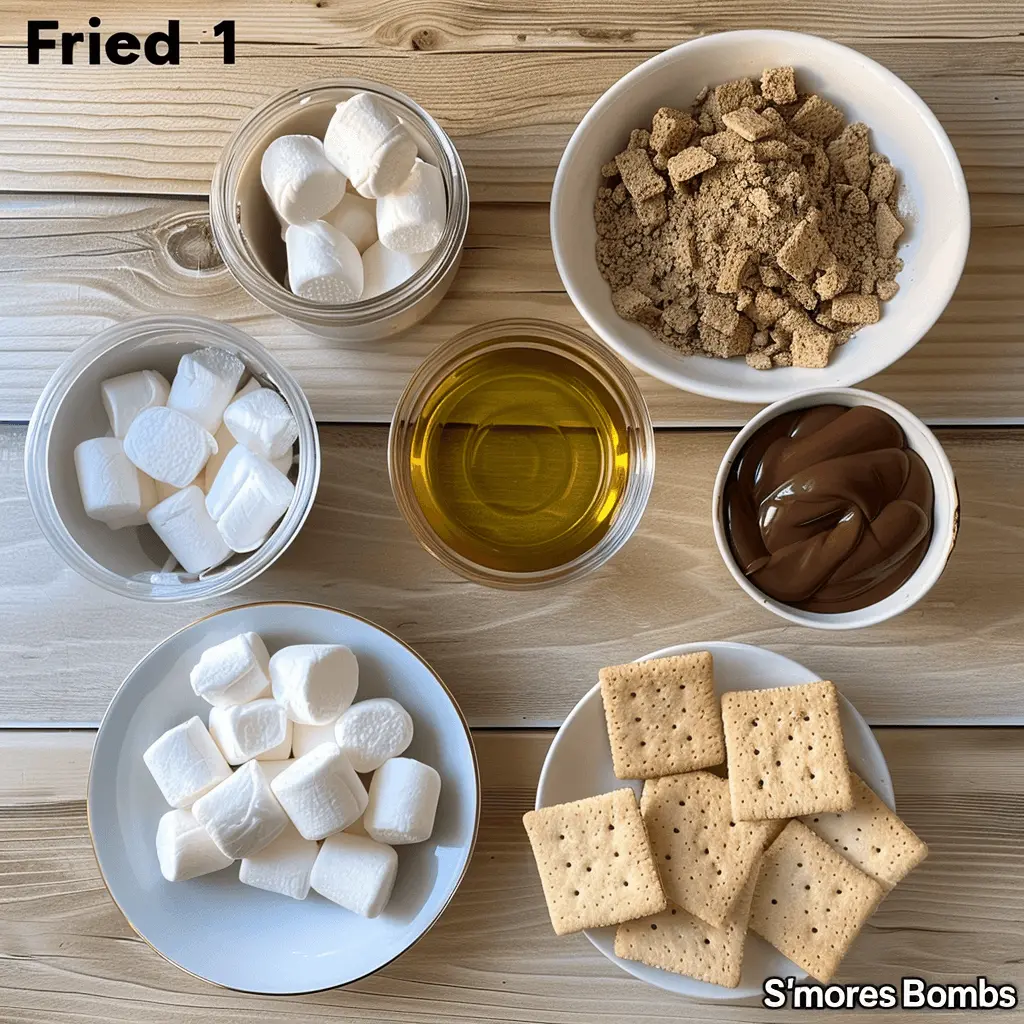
[[827, 509]]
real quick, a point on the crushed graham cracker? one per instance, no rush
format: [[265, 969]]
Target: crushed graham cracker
[[757, 223]]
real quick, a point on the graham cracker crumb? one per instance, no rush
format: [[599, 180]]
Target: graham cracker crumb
[[887, 230], [642, 181], [817, 119], [778, 85], [689, 163], [748, 123], [852, 308]]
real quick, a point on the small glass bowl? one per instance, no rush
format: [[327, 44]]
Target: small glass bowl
[[500, 335], [131, 561], [248, 233]]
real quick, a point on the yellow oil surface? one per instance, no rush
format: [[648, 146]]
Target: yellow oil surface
[[520, 459]]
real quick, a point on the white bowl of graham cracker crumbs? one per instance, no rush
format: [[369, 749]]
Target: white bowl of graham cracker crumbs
[[929, 199]]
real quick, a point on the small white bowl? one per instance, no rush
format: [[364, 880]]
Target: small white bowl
[[131, 561], [945, 511], [231, 934], [933, 203]]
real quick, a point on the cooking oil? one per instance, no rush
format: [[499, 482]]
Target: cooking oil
[[520, 458]]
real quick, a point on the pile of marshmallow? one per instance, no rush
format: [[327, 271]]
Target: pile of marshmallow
[[204, 463], [345, 246], [273, 810]]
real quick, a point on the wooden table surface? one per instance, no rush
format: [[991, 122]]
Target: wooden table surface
[[104, 174]]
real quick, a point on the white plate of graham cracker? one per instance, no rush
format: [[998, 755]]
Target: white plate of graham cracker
[[675, 871]]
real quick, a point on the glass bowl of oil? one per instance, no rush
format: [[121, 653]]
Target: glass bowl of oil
[[522, 454]]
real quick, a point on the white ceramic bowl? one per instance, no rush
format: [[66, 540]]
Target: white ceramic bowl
[[933, 203], [231, 934], [579, 764], [131, 561], [945, 512]]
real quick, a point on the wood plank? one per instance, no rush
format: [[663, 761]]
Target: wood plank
[[73, 265], [453, 25], [160, 129], [71, 958], [526, 658]]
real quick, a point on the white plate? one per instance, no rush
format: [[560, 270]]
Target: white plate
[[579, 764], [232, 934]]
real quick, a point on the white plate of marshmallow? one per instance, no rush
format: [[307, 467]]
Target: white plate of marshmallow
[[283, 798]]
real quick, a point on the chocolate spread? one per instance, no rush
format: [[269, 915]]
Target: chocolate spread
[[827, 509]]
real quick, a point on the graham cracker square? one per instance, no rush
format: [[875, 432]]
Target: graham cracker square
[[663, 716], [704, 856], [785, 752], [810, 903], [870, 836], [676, 941], [595, 862]]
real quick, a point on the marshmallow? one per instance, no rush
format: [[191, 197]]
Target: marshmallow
[[185, 849], [225, 442], [242, 815], [263, 422], [271, 769], [183, 524], [168, 445], [113, 490], [384, 269], [205, 383], [236, 671], [314, 682], [413, 218], [373, 731], [323, 264], [126, 396], [369, 145], [320, 792], [247, 498], [282, 866], [259, 729], [356, 873], [403, 802], [356, 218], [186, 763], [306, 737], [301, 183]]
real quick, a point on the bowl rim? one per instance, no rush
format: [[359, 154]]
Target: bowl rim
[[320, 607], [957, 213], [920, 581]]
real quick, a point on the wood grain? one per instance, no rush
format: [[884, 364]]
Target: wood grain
[[70, 957], [526, 658], [160, 129], [71, 266]]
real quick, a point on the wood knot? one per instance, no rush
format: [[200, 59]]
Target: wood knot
[[425, 39], [191, 246]]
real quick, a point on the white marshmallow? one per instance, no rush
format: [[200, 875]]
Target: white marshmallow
[[323, 264], [356, 873], [247, 498], [183, 524], [168, 445], [259, 729], [113, 490], [150, 490], [235, 671], [205, 383], [301, 183], [403, 802], [413, 218], [186, 763], [370, 145], [356, 218], [384, 269], [271, 769], [225, 442], [373, 731], [185, 849], [282, 866], [314, 682], [306, 737], [320, 792], [242, 815], [126, 396], [263, 422]]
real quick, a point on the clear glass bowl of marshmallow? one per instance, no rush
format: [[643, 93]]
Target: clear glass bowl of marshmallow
[[134, 412], [343, 206]]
